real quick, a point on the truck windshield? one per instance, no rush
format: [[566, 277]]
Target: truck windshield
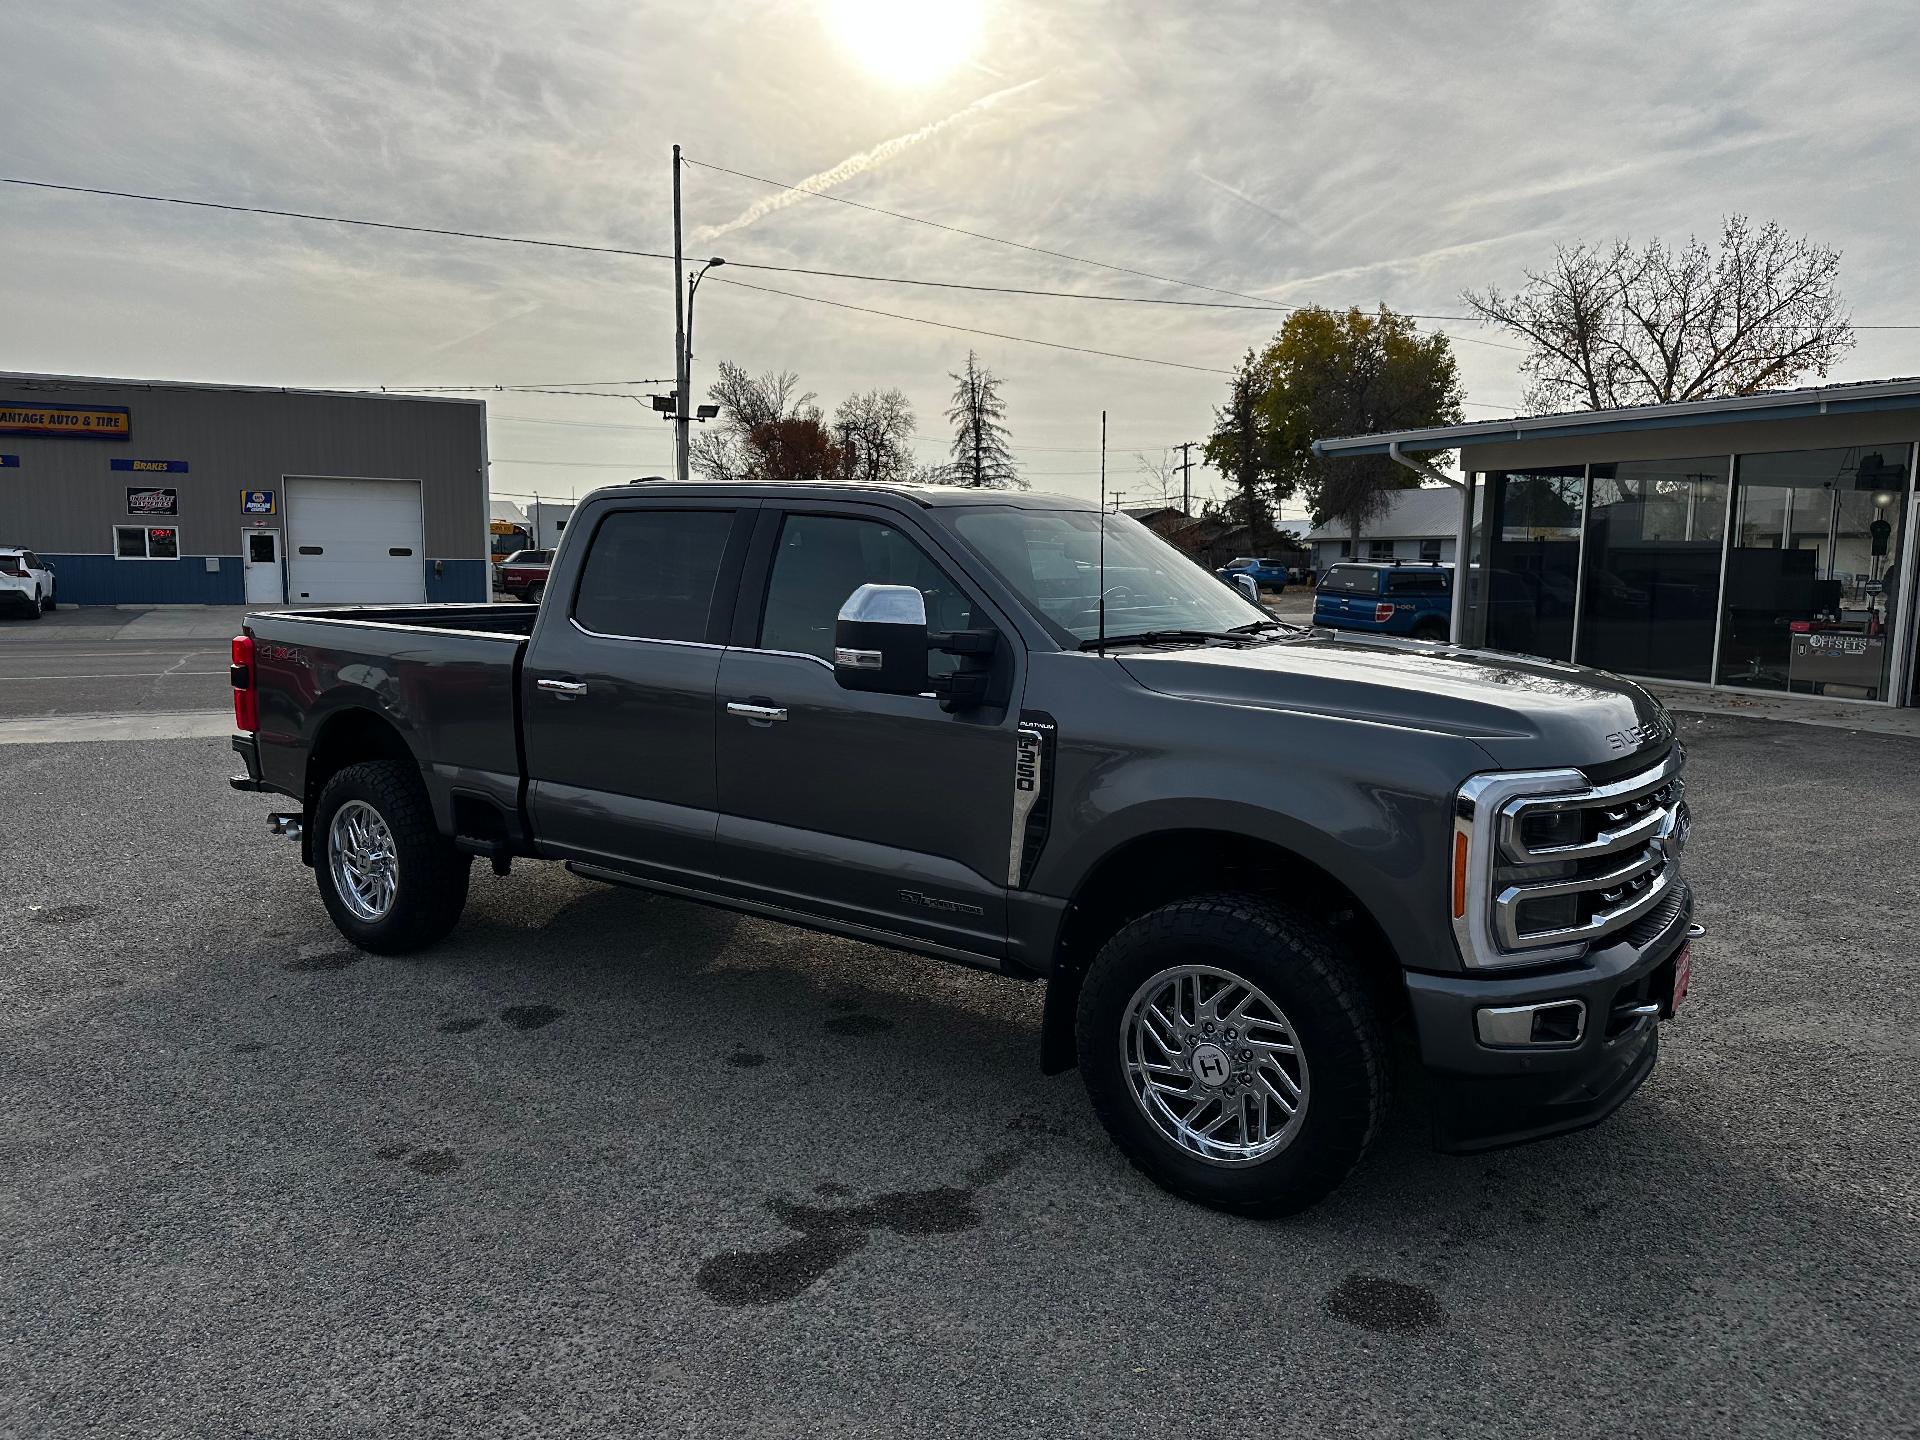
[[1052, 559]]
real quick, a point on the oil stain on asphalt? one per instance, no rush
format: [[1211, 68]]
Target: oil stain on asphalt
[[858, 1025], [61, 914], [746, 1059], [830, 1233], [529, 1017], [332, 960], [1386, 1307]]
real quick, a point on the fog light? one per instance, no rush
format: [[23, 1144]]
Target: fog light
[[1556, 912], [1552, 1022]]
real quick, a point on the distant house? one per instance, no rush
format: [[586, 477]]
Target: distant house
[[1417, 525], [1210, 540]]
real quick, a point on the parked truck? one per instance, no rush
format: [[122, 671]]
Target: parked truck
[[1256, 867]]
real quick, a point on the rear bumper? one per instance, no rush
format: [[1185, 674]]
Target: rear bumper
[[1486, 1096], [247, 747]]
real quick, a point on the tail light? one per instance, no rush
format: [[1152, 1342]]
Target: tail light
[[1383, 612], [246, 699]]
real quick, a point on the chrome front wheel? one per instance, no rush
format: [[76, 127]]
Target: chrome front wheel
[[363, 859], [1214, 1064]]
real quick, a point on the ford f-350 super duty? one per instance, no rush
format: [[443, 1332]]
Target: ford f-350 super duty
[[1015, 731]]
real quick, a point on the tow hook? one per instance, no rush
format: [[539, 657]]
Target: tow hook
[[1696, 930], [287, 825]]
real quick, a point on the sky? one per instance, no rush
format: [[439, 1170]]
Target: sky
[[1332, 154]]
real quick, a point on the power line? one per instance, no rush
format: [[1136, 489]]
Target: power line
[[974, 234], [1258, 302], [531, 385], [970, 330], [583, 464]]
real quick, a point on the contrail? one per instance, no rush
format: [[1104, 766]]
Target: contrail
[[855, 165]]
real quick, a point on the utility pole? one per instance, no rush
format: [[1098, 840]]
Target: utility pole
[[680, 365], [1186, 478]]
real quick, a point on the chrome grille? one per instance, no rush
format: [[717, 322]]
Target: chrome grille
[[1546, 862], [1621, 859]]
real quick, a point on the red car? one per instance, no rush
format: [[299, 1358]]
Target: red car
[[523, 574]]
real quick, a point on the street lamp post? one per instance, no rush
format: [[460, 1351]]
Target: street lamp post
[[683, 386]]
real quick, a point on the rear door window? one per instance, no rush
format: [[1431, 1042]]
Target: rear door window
[[1418, 582], [650, 574]]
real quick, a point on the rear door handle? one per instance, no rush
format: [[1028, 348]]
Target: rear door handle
[[758, 714], [566, 689]]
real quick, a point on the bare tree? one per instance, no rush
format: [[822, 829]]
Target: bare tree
[[1616, 325], [981, 454], [748, 404], [875, 432], [1159, 476]]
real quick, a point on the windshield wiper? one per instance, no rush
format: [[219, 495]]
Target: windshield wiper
[[1159, 637]]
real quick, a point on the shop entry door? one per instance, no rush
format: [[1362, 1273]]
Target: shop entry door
[[266, 583]]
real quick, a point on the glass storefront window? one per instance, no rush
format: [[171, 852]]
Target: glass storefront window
[[1808, 606], [1651, 592], [1532, 550]]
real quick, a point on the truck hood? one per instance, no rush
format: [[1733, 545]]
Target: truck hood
[[1526, 714]]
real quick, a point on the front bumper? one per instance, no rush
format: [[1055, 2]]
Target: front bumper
[[1485, 1096]]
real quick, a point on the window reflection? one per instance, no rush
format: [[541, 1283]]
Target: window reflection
[[1808, 603], [1534, 549], [1652, 585]]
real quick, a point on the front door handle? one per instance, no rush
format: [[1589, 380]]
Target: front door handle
[[757, 714], [566, 689]]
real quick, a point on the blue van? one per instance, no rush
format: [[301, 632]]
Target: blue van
[[1386, 598]]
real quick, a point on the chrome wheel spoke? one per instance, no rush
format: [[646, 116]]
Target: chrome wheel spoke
[[361, 857], [1214, 1064]]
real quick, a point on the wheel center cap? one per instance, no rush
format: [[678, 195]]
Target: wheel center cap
[[1211, 1066]]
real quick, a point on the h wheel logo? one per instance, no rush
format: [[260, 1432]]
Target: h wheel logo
[[1210, 1065]]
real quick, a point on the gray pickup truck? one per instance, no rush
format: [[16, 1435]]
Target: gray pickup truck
[[1259, 867]]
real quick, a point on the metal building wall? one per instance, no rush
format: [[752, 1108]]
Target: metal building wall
[[63, 498]]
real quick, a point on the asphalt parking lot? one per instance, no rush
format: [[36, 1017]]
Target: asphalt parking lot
[[610, 1165], [88, 659]]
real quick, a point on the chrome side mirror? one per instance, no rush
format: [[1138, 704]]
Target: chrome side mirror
[[1247, 586], [880, 641]]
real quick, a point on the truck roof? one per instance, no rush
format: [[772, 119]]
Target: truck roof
[[930, 496]]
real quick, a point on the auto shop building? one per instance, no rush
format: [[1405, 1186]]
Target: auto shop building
[[164, 492]]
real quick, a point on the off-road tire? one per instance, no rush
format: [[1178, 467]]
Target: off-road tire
[[1312, 979], [431, 885]]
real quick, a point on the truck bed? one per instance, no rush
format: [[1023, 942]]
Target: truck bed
[[445, 677]]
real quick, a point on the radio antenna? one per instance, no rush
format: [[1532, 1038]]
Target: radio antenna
[[1103, 532]]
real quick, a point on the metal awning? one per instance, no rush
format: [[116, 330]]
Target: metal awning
[[1865, 395]]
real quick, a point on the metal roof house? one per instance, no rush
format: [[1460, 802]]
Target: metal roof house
[[1418, 524], [1753, 542]]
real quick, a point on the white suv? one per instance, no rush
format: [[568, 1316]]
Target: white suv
[[26, 582]]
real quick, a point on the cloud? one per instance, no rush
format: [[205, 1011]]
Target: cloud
[[857, 164]]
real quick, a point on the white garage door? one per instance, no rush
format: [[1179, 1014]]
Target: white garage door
[[355, 542]]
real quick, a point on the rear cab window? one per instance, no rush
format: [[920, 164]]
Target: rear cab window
[[651, 574], [1351, 580]]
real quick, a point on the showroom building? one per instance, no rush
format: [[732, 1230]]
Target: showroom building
[[1757, 542], [162, 492]]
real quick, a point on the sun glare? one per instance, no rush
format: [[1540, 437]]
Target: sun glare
[[907, 42]]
